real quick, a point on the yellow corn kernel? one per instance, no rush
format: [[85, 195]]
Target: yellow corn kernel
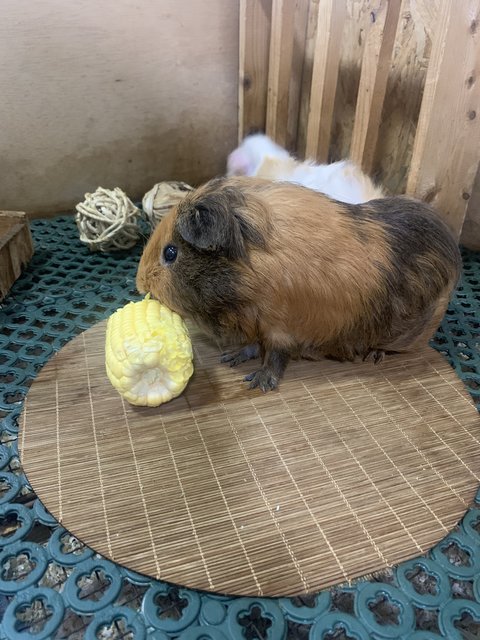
[[148, 353]]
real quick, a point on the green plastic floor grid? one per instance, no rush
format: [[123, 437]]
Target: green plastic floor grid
[[51, 586]]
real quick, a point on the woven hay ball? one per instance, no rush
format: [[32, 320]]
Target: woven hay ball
[[108, 220], [161, 198]]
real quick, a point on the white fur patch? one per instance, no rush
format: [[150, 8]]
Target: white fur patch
[[259, 156]]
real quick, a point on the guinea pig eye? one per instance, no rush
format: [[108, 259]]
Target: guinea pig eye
[[170, 253]]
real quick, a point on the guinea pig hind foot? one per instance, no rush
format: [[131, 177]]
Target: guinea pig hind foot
[[248, 352], [268, 377], [262, 379], [374, 355]]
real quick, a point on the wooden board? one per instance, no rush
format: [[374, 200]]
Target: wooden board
[[326, 59], [114, 94], [376, 63], [345, 470], [445, 155], [16, 248], [280, 69], [254, 46], [286, 60]]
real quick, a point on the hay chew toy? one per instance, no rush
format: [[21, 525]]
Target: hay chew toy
[[161, 198], [148, 353], [107, 220]]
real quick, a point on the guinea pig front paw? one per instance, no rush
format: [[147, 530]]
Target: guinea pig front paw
[[249, 352], [263, 379]]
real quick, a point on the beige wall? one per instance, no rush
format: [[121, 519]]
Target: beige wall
[[113, 93]]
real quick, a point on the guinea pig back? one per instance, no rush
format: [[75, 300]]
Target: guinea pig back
[[290, 273]]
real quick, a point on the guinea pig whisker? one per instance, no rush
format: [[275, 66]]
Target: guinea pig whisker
[[144, 238]]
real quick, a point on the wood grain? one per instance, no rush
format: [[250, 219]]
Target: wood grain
[[330, 20], [296, 74], [255, 26], [114, 94], [376, 63], [404, 93], [445, 154], [280, 68], [306, 86], [16, 248]]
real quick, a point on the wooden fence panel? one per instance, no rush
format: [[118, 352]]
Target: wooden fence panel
[[281, 50], [331, 17], [255, 25], [290, 68], [377, 56], [446, 149], [296, 72]]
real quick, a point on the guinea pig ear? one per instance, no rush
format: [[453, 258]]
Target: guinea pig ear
[[212, 228], [238, 163]]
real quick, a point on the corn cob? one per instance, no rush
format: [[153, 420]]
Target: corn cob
[[148, 353]]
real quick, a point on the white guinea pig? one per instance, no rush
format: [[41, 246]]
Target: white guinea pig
[[259, 156]]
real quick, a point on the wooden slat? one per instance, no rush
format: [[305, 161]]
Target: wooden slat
[[376, 62], [403, 98], [331, 18], [446, 150], [296, 72], [255, 25], [280, 66], [307, 69]]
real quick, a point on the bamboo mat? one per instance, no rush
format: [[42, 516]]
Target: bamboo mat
[[345, 470]]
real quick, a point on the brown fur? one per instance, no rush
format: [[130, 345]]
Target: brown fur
[[300, 274]]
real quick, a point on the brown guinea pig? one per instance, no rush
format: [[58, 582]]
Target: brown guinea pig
[[288, 272]]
